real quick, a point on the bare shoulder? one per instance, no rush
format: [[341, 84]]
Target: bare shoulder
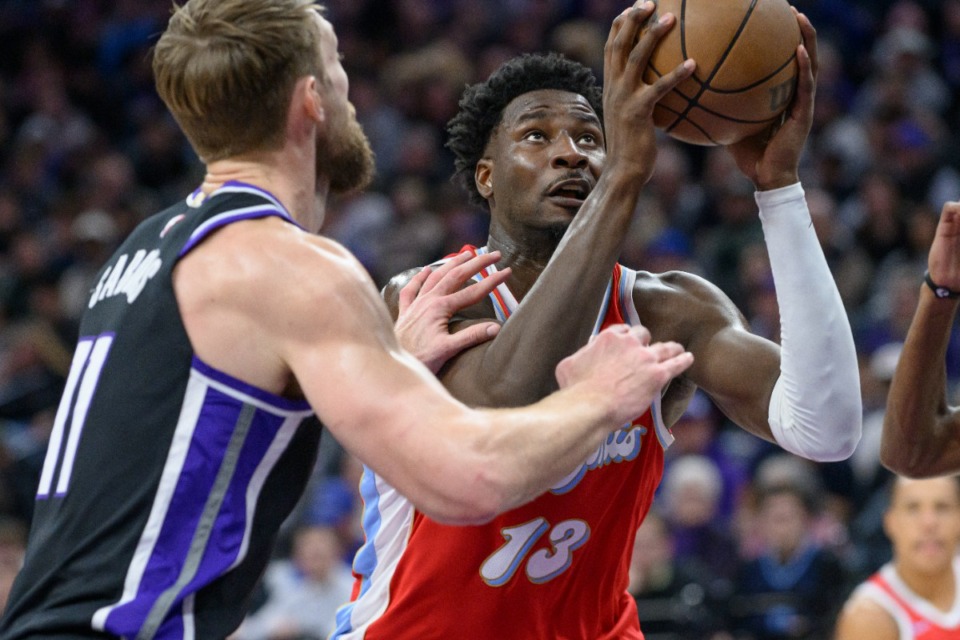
[[677, 304], [862, 617], [266, 263], [391, 292], [278, 291]]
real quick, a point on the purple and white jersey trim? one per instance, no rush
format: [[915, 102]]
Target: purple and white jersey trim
[[228, 438]]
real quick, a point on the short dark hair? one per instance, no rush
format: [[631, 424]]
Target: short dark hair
[[482, 105]]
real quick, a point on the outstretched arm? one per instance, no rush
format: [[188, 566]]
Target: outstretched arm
[[457, 464], [921, 432], [810, 403], [256, 284]]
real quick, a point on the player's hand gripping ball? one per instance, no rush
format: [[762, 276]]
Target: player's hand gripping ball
[[746, 55]]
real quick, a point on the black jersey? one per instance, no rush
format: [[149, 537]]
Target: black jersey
[[165, 480]]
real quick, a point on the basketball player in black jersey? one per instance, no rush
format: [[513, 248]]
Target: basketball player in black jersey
[[223, 322]]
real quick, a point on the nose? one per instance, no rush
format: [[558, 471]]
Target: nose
[[567, 153]]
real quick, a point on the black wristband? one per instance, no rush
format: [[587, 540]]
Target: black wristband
[[940, 292]]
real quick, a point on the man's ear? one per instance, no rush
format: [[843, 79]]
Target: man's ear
[[313, 101], [483, 177]]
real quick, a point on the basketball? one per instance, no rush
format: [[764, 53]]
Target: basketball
[[746, 73]]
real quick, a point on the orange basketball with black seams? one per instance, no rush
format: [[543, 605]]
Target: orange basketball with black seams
[[746, 55]]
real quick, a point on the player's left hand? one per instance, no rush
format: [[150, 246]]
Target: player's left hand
[[431, 298], [771, 159], [944, 259]]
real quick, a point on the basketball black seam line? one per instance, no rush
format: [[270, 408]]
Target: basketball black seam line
[[706, 82], [758, 82], [789, 60], [706, 134], [721, 91], [675, 112], [722, 115]]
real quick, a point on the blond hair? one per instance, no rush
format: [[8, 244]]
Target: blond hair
[[226, 69]]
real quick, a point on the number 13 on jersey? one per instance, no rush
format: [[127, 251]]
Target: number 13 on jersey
[[542, 565]]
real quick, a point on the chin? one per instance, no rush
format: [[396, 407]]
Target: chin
[[556, 231]]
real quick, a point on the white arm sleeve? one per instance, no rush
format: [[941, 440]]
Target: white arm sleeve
[[815, 409]]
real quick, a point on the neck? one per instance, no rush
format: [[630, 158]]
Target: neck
[[526, 253], [290, 179], [938, 588]]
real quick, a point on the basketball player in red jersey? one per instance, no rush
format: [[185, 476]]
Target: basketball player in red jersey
[[221, 324], [917, 595], [562, 186], [921, 431]]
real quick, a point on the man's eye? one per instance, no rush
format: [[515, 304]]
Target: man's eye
[[534, 135]]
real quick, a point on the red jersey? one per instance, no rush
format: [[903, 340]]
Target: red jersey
[[556, 567], [916, 617]]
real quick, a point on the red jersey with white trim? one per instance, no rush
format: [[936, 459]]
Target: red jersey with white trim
[[916, 617], [556, 567]]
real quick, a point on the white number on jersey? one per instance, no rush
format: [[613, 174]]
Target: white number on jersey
[[85, 369], [543, 565]]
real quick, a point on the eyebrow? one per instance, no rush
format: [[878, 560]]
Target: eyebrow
[[587, 117]]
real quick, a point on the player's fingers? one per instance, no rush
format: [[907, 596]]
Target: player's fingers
[[809, 34], [472, 336], [802, 106], [949, 225], [667, 82], [666, 350], [624, 34], [459, 274], [650, 35], [411, 290], [441, 270], [950, 210], [641, 332], [677, 364], [477, 291]]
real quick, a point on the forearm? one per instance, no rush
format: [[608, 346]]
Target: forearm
[[465, 466], [558, 314], [918, 435], [815, 409], [537, 447]]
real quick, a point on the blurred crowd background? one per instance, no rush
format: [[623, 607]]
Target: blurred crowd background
[[744, 541]]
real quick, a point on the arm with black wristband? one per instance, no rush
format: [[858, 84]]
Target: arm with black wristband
[[921, 431]]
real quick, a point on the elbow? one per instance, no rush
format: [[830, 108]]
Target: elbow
[[849, 435], [837, 448], [843, 448], [914, 447], [904, 459], [844, 436], [896, 462], [831, 441]]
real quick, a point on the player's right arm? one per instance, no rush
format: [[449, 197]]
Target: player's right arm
[[921, 432], [558, 313], [862, 618], [262, 300]]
